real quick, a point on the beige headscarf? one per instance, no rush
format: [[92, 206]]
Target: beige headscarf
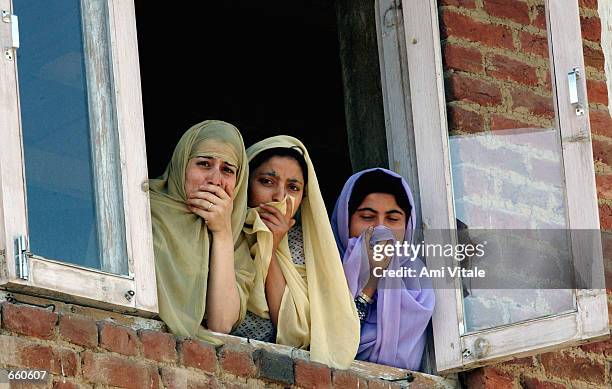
[[181, 238], [317, 309]]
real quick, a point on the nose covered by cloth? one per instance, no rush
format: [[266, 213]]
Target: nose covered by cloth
[[393, 332], [317, 311]]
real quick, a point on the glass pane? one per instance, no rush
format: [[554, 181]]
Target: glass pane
[[60, 123], [508, 180]]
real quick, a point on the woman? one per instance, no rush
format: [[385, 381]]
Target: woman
[[376, 207], [198, 206], [300, 289]]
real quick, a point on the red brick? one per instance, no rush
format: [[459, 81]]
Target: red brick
[[602, 151], [489, 378], [54, 360], [462, 58], [591, 28], [113, 370], [238, 360], [534, 44], [461, 26], [459, 3], [24, 385], [28, 320], [588, 3], [547, 82], [312, 374], [68, 385], [601, 122], [593, 58], [381, 384], [533, 103], [603, 348], [477, 91], [200, 355], [606, 243], [499, 122], [121, 340], [78, 330], [508, 69], [159, 346], [597, 92], [574, 368], [347, 379], [228, 383], [515, 10], [605, 218], [534, 383], [460, 119], [604, 186], [540, 17], [176, 378], [522, 362]]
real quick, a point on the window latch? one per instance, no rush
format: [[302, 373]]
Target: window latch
[[572, 81], [13, 20], [21, 258]]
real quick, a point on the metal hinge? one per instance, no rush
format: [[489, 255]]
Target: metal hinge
[[21, 258], [7, 17], [573, 85]]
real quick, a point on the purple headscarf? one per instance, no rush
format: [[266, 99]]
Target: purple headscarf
[[394, 331]]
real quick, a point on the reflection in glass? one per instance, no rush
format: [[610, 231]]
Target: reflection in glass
[[56, 111], [508, 176], [509, 191]]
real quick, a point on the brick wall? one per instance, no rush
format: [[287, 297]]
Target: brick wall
[[83, 347], [497, 77]]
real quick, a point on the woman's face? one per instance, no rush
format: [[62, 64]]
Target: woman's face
[[208, 170], [274, 179], [375, 210]]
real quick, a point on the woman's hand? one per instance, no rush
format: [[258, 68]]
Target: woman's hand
[[278, 223], [383, 263], [213, 205]]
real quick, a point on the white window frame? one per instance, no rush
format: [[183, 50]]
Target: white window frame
[[415, 111], [135, 292]]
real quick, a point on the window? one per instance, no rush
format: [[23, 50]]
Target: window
[[75, 216], [73, 160], [573, 315]]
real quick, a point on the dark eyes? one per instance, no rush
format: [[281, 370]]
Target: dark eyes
[[265, 181], [207, 164], [229, 170]]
